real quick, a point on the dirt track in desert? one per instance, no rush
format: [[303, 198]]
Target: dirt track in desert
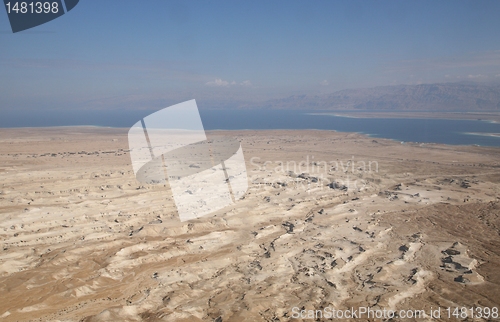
[[343, 221]]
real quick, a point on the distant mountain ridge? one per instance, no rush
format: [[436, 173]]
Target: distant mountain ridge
[[425, 97]]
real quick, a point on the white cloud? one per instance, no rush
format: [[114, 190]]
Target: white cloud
[[218, 82], [476, 76], [325, 83], [223, 83]]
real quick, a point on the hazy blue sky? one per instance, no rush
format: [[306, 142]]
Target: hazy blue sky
[[132, 53]]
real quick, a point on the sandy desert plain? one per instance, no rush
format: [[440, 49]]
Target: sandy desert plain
[[362, 223]]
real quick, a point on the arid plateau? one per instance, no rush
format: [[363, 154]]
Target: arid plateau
[[330, 219]]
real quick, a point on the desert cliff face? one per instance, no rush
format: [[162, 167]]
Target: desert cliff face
[[330, 220]]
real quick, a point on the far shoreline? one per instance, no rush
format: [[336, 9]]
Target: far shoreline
[[493, 117]]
